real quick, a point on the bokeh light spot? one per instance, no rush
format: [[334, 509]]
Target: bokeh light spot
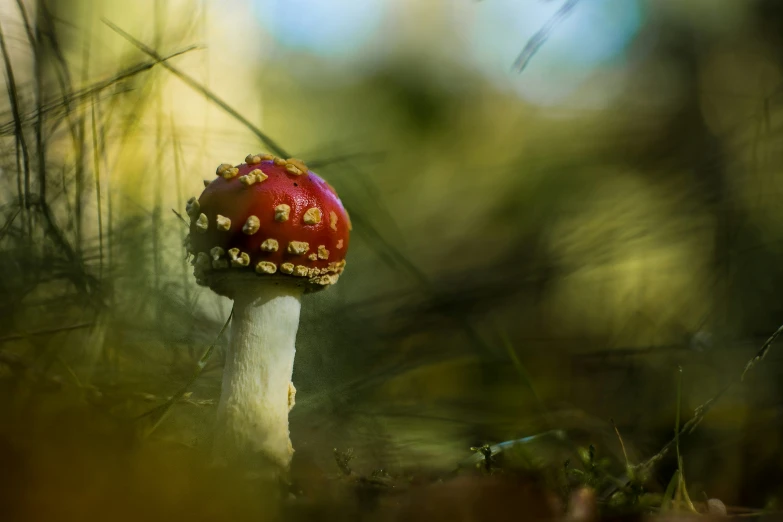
[[327, 28]]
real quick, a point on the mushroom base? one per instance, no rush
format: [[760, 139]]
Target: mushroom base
[[257, 394]]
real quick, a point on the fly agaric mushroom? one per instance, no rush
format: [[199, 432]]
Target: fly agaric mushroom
[[264, 233]]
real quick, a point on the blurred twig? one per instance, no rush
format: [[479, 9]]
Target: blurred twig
[[324, 162], [541, 36], [701, 411], [7, 225], [19, 365], [97, 173], [159, 413], [512, 354], [51, 331], [488, 451], [762, 352], [273, 146], [184, 221], [84, 94], [13, 98]]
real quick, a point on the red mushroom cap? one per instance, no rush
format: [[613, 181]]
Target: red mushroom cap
[[269, 217]]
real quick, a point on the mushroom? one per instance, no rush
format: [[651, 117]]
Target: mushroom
[[264, 244]]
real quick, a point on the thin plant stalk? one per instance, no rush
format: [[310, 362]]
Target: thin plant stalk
[[159, 413], [23, 162], [180, 197], [157, 227], [97, 171]]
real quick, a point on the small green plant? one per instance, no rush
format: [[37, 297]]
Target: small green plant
[[593, 472], [487, 461], [676, 495], [343, 459]]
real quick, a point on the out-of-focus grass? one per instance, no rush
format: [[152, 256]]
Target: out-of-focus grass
[[515, 269]]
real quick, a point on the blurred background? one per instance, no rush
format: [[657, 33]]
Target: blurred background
[[556, 205]]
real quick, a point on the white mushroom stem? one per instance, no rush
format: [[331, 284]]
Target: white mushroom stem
[[252, 417]]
